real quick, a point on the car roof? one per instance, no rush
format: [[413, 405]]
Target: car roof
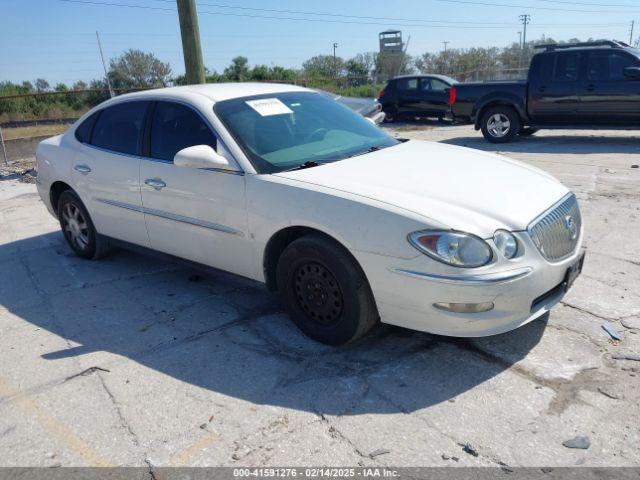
[[217, 91]]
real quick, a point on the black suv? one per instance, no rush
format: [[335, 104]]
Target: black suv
[[416, 96], [580, 85]]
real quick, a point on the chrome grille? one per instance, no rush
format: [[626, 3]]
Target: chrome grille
[[556, 232]]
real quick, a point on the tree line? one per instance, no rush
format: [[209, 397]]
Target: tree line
[[361, 75]]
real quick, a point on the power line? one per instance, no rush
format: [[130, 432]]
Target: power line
[[565, 2], [490, 4], [477, 25]]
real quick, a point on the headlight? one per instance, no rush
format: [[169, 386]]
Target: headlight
[[506, 243], [453, 248]]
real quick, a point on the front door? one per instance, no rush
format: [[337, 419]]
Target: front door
[[197, 214], [608, 97], [435, 96], [106, 169], [554, 92]]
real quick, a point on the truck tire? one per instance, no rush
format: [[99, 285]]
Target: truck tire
[[325, 291], [500, 124]]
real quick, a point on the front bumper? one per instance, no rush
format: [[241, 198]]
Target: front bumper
[[521, 290]]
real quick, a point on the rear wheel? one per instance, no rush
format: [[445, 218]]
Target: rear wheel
[[390, 113], [500, 124], [325, 291], [78, 228]]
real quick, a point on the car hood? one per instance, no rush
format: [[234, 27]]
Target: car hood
[[450, 186]]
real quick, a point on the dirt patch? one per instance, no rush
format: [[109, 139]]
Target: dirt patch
[[23, 170]]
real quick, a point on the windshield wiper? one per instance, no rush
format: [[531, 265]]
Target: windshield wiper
[[302, 166], [374, 148]]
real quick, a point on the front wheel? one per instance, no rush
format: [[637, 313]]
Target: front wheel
[[325, 291], [500, 124]]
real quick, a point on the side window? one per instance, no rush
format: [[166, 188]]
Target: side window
[[607, 66], [567, 66], [438, 86], [405, 84], [83, 132], [425, 84], [174, 127], [119, 127]]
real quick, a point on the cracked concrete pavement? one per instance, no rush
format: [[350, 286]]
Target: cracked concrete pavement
[[132, 361]]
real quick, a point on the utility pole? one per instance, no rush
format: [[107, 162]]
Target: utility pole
[[335, 64], [446, 42], [525, 19], [631, 33], [104, 65], [4, 151], [191, 48]]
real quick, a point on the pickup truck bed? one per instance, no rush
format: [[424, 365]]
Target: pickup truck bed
[[472, 97]]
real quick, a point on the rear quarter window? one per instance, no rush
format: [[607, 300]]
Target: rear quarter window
[[83, 132]]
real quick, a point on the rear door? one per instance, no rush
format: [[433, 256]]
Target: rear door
[[106, 171], [197, 214], [555, 86], [608, 97], [408, 93], [435, 96]]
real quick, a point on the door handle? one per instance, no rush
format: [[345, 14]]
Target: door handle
[[155, 183], [590, 88], [83, 169]]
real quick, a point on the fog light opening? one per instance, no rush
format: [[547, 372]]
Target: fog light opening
[[464, 307]]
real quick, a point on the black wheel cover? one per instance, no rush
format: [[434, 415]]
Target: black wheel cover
[[318, 293]]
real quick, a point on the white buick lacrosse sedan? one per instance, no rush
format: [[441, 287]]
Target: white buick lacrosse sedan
[[349, 225]]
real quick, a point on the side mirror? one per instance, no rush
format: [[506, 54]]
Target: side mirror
[[200, 156], [632, 72]]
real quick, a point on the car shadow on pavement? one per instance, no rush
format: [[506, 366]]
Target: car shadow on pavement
[[593, 143], [228, 335]]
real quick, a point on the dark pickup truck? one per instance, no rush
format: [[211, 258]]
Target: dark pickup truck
[[582, 85]]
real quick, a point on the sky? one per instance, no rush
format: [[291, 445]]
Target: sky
[[56, 40]]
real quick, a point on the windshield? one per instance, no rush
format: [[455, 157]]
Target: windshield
[[285, 130]]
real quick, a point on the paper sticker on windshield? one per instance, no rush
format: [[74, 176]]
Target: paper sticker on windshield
[[269, 106]]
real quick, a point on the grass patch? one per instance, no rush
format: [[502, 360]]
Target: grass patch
[[34, 131]]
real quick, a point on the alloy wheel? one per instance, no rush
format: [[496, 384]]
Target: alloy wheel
[[498, 125], [75, 226]]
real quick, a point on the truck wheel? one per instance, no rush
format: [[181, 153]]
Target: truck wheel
[[500, 124], [325, 291]]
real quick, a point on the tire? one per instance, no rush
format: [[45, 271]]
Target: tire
[[527, 132], [325, 291], [390, 114], [500, 124], [78, 228]]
